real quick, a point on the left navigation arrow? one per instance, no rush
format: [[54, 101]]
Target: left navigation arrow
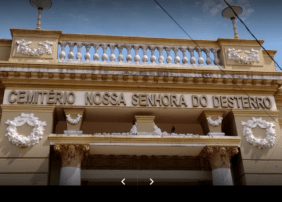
[[123, 181]]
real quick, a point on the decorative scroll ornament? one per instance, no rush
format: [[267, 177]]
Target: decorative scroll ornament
[[268, 141], [74, 121], [21, 140], [44, 48], [216, 122], [253, 56]]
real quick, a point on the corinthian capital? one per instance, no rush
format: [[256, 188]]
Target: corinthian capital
[[72, 155], [219, 157]]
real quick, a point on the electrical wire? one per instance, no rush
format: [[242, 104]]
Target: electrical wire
[[202, 50]]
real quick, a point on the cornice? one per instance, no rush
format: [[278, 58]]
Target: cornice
[[143, 83], [252, 113], [35, 32], [87, 139]]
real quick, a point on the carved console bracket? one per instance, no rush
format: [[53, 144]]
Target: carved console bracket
[[72, 155]]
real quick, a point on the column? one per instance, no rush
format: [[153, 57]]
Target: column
[[219, 158], [71, 156]]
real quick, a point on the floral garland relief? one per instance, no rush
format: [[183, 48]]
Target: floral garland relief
[[268, 141], [252, 56], [74, 121], [24, 49], [21, 140], [216, 122]]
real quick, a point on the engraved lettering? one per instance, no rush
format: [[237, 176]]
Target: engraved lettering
[[10, 96]]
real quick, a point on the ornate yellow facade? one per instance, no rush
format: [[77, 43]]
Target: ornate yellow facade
[[81, 109]]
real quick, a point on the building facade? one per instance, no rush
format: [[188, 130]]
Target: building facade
[[82, 109]]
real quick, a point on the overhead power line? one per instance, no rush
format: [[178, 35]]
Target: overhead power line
[[202, 50]]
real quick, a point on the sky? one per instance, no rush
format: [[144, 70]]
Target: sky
[[201, 19]]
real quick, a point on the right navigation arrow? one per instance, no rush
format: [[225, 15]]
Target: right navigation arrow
[[151, 181]]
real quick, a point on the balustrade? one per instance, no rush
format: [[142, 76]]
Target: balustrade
[[158, 56]]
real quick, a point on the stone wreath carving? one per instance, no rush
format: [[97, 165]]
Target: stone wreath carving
[[44, 48], [268, 141], [216, 122], [253, 56], [21, 140], [74, 121]]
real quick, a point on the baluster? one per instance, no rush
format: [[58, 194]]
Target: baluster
[[78, 54], [177, 58], [153, 57], [128, 57], [112, 56], [104, 56], [192, 58], [145, 57], [161, 57], [216, 60], [96, 55], [207, 51], [201, 59], [62, 54], [71, 45], [184, 59], [120, 56], [136, 57], [87, 54], [169, 58]]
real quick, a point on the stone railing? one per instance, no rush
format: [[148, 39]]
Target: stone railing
[[136, 54]]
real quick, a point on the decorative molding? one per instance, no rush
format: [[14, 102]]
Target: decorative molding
[[73, 121], [44, 48], [268, 141], [216, 122], [140, 73], [253, 56], [21, 140], [219, 157], [27, 108]]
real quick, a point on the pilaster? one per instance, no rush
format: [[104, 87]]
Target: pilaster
[[25, 146], [211, 122], [145, 124], [74, 118]]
